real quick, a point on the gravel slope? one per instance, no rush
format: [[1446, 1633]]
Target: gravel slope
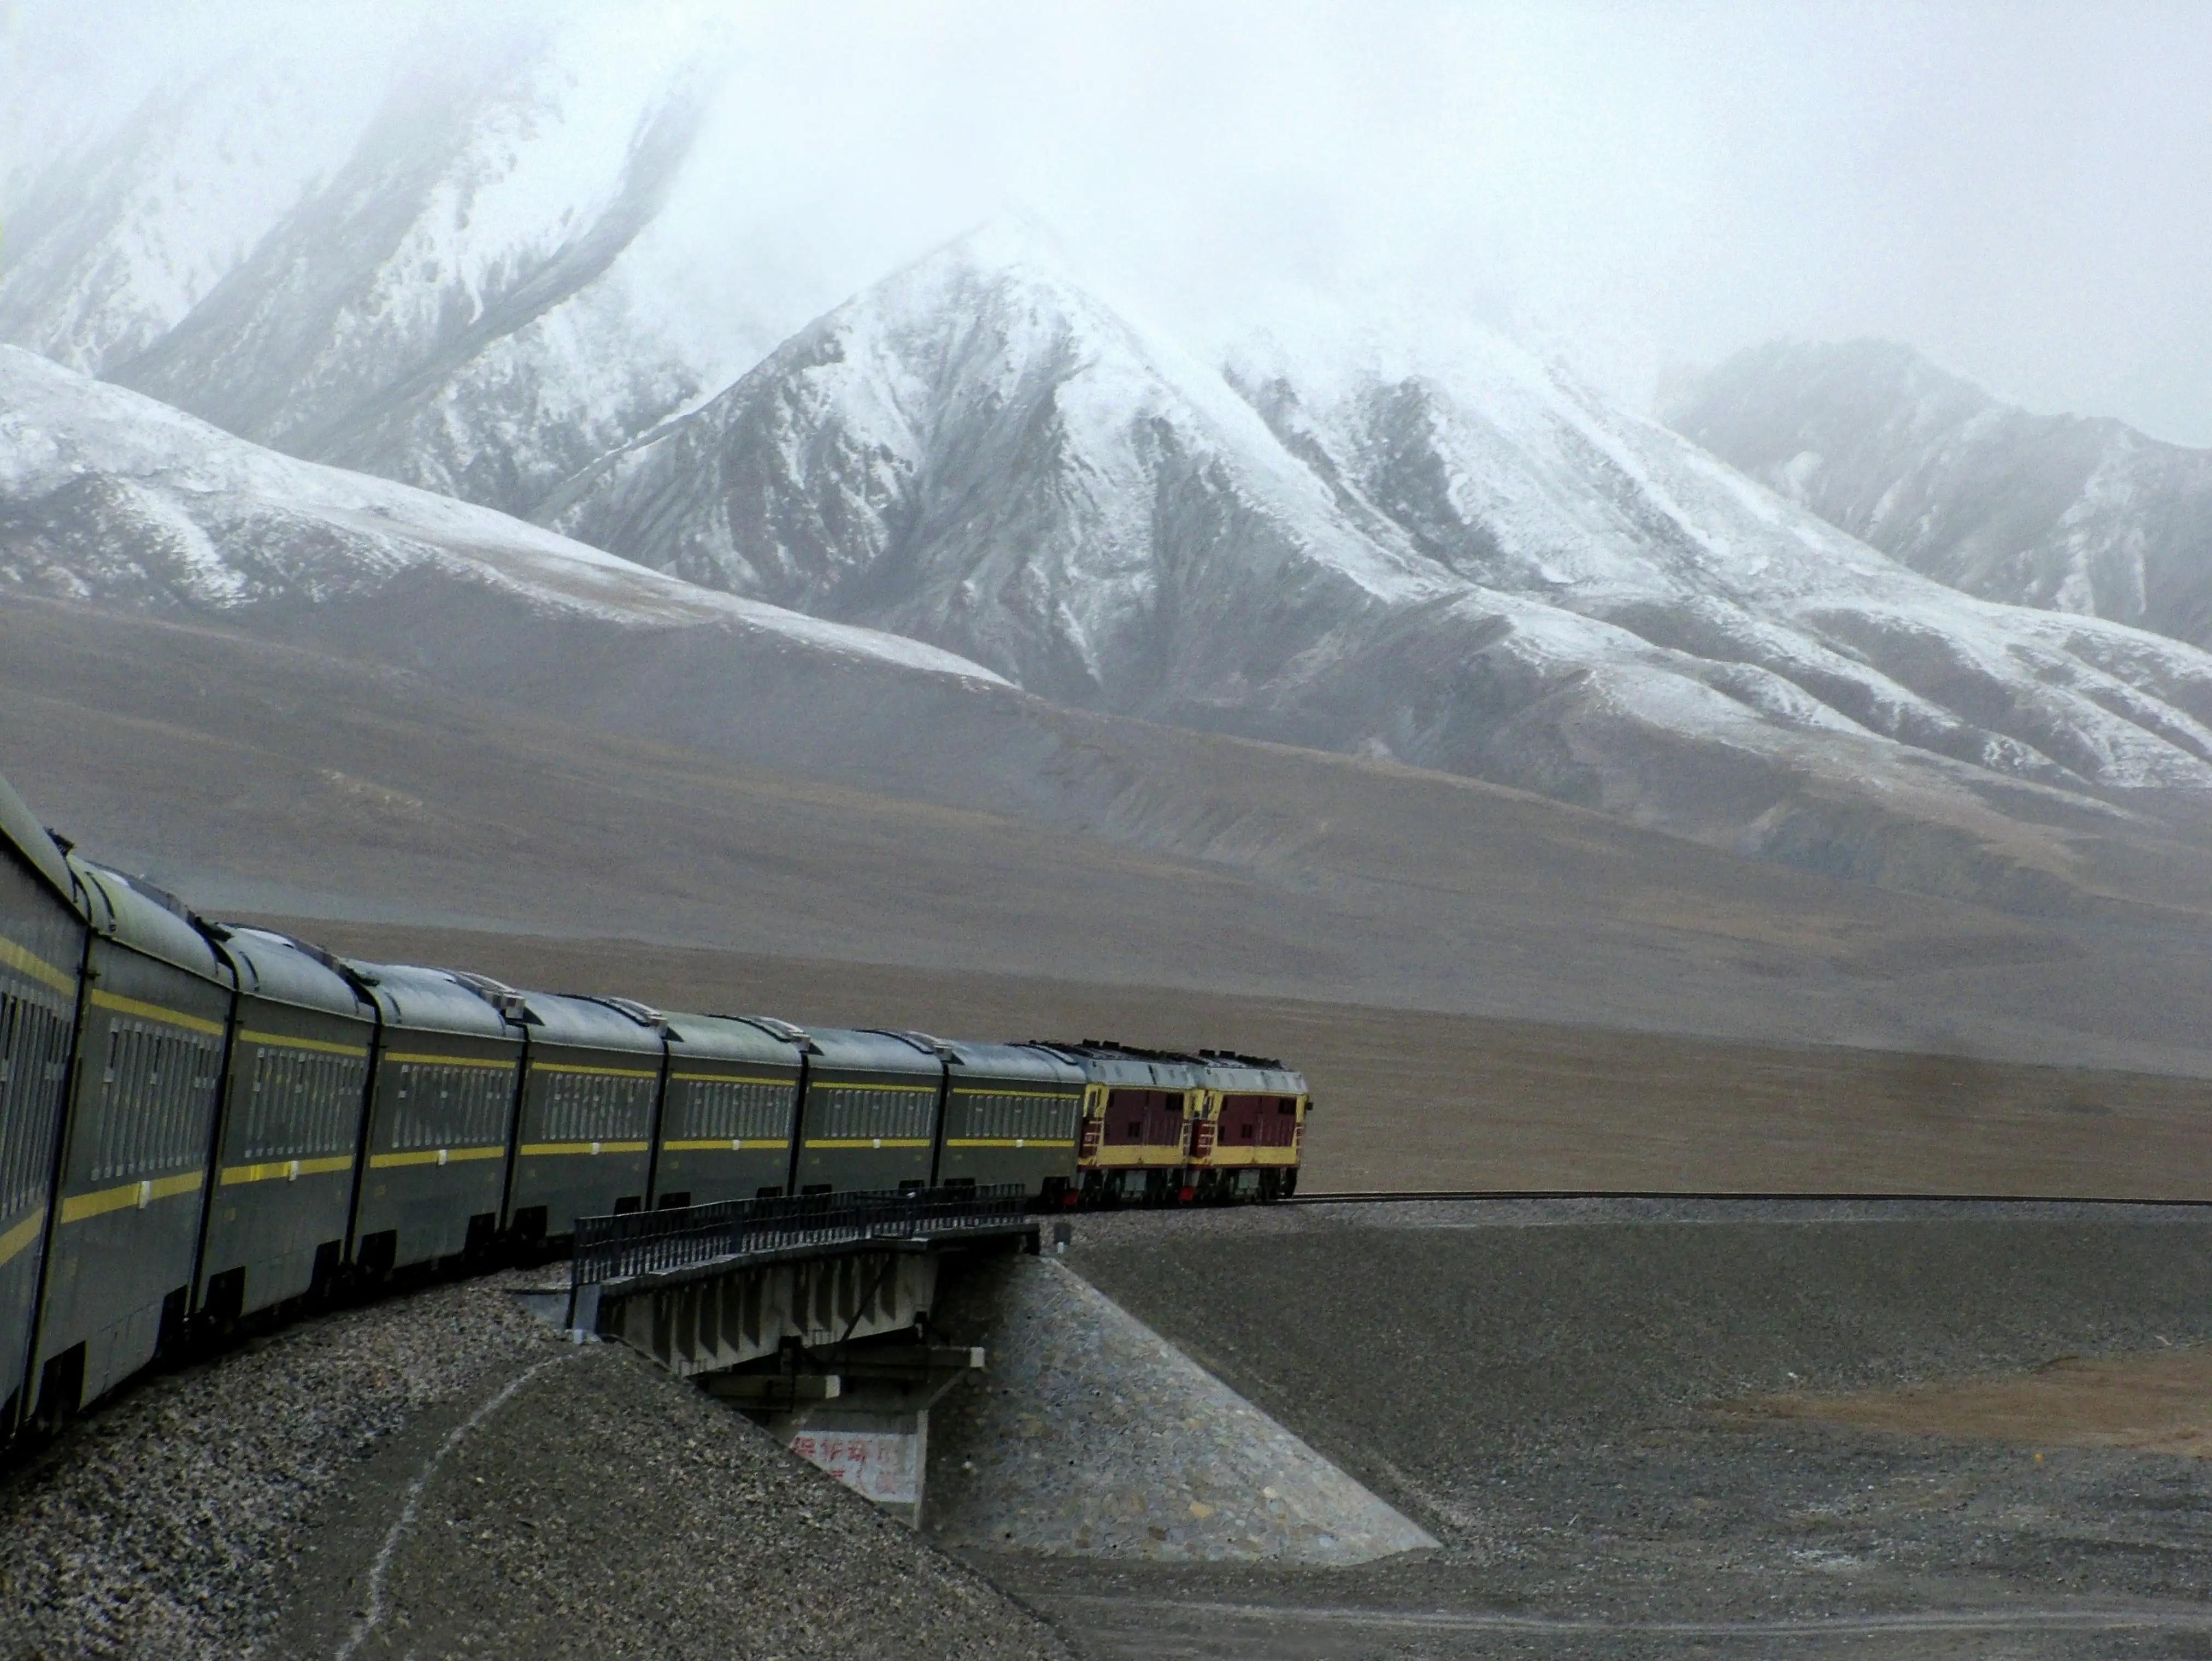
[[588, 1506], [161, 1525], [1536, 1384], [1090, 1436]]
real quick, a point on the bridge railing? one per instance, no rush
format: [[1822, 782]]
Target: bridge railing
[[686, 1237]]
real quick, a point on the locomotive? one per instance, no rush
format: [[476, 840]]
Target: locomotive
[[202, 1122]]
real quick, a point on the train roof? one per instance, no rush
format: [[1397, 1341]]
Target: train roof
[[736, 1038], [1248, 1074], [590, 1022], [1025, 1062], [876, 1051], [283, 970], [21, 829], [134, 912], [430, 1000], [1103, 1063]]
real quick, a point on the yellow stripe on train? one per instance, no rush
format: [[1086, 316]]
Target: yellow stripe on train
[[30, 963], [131, 1006], [76, 1208], [286, 1041], [283, 1170], [433, 1156], [531, 1149], [21, 1236]]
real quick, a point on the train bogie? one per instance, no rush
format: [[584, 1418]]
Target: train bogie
[[287, 1148], [129, 1205], [440, 1119], [41, 955], [591, 1090], [868, 1118], [728, 1109], [1010, 1115]]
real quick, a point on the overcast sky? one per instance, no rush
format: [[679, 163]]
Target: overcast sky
[[2020, 190]]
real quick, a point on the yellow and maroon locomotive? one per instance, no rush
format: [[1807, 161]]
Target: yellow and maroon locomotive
[[1160, 1128]]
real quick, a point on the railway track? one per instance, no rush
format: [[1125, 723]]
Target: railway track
[[1355, 1197]]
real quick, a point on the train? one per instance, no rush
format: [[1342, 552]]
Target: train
[[204, 1123]]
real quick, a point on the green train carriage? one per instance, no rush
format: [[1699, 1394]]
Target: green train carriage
[[590, 1092], [868, 1118], [42, 945], [289, 1138], [133, 1162], [729, 1109], [1011, 1114], [440, 1122]]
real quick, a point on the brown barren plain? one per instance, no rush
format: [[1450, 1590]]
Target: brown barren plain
[[2155, 1404], [1488, 990]]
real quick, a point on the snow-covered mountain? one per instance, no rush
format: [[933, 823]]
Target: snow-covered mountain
[[520, 292], [1447, 554], [2058, 511], [108, 496], [977, 449], [467, 283]]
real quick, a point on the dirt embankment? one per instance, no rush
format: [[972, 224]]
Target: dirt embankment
[[439, 1475]]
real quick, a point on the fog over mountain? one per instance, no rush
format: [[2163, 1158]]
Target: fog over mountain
[[2059, 512], [474, 283], [1377, 531]]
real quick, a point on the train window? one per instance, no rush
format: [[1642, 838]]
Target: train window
[[1005, 1115], [449, 1105], [299, 1104], [588, 1106], [851, 1112], [737, 1108], [157, 1085], [32, 1061]]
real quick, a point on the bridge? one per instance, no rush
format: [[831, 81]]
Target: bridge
[[809, 1313]]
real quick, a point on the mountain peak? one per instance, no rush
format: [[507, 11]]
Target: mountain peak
[[1015, 238]]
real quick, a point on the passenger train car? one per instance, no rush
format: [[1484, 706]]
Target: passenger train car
[[202, 1122]]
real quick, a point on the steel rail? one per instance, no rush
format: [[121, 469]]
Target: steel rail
[[1378, 1197]]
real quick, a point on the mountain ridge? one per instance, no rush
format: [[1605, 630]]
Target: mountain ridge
[[2070, 514], [978, 452]]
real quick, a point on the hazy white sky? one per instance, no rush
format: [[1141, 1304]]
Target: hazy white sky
[[2020, 189]]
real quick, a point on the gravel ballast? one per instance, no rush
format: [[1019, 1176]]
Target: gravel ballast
[[441, 1474], [1544, 1386]]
